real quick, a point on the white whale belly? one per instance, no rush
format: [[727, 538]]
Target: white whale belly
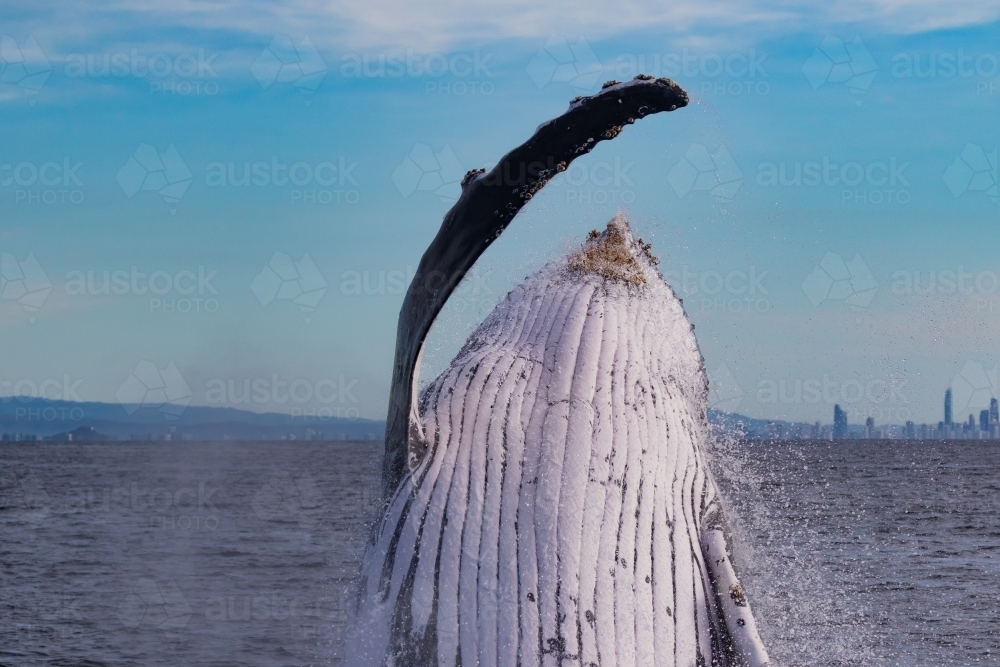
[[555, 516]]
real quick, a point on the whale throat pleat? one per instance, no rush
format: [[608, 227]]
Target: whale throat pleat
[[554, 517]]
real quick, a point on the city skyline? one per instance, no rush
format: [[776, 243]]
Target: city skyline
[[986, 426]]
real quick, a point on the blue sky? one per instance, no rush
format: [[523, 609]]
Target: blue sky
[[826, 206]]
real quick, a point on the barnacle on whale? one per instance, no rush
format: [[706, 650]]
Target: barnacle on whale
[[609, 255]]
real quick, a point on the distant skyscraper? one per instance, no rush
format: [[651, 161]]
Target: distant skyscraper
[[869, 428], [994, 411], [984, 420], [911, 432], [839, 423], [947, 408]]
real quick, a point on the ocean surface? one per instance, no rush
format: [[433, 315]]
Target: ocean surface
[[225, 553]]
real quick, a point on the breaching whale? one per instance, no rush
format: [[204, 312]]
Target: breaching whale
[[548, 500]]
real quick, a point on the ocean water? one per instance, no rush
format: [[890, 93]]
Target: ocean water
[[193, 553], [878, 553], [869, 552]]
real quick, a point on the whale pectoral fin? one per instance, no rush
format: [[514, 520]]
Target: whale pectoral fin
[[416, 443], [733, 601], [488, 203]]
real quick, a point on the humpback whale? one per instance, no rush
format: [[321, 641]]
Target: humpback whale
[[547, 497]]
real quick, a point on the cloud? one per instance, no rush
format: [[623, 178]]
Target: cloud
[[455, 24]]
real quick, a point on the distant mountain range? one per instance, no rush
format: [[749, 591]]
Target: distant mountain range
[[29, 418], [38, 418]]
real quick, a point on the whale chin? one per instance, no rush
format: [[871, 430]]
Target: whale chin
[[555, 507]]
